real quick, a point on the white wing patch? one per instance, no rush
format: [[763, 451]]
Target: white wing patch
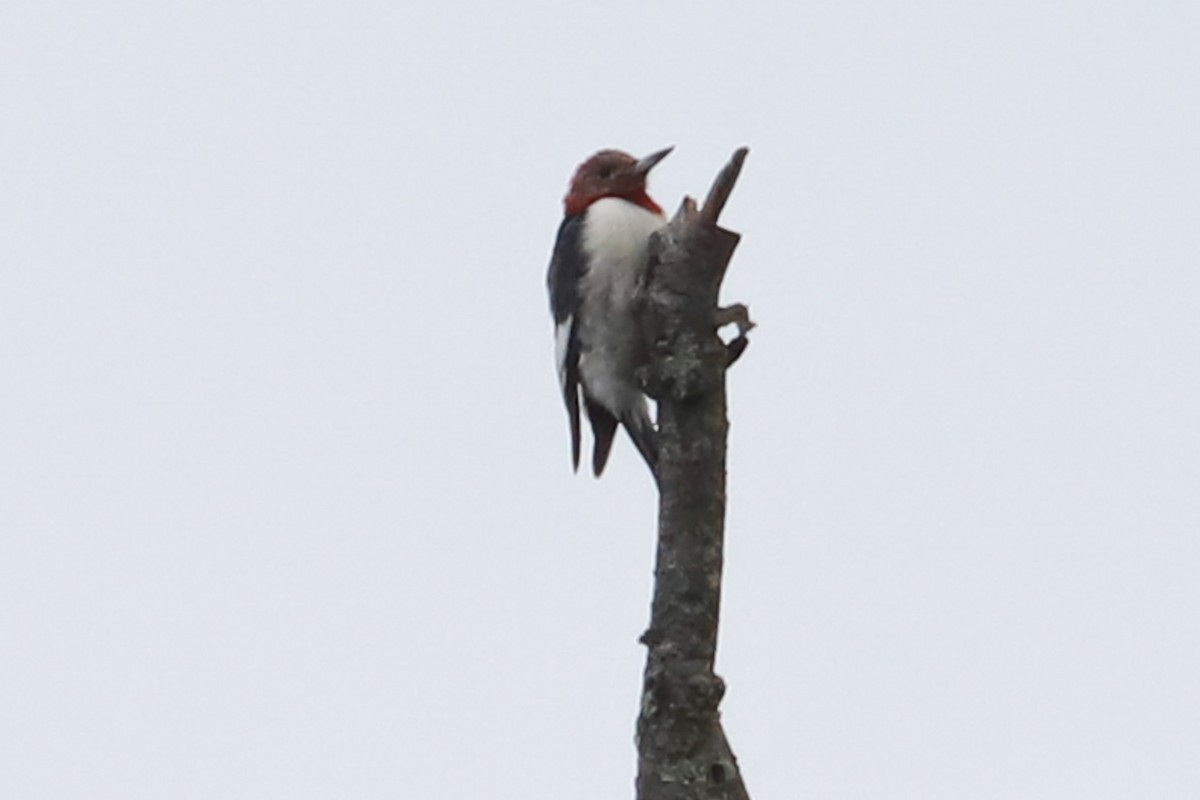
[[562, 341]]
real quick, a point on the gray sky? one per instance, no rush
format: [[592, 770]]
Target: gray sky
[[285, 495]]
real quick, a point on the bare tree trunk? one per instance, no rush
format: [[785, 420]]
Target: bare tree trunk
[[682, 750]]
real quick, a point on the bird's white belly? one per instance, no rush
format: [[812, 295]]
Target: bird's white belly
[[615, 238]]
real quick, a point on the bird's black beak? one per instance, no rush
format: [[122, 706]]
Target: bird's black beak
[[647, 163]]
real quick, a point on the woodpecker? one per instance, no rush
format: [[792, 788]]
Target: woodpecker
[[598, 262]]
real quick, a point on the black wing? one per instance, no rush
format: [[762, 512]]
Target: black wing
[[562, 281]]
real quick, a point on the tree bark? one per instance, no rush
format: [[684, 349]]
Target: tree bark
[[682, 750]]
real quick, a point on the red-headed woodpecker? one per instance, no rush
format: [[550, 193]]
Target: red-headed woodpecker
[[598, 262]]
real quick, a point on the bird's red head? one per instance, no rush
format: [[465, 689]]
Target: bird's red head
[[611, 173]]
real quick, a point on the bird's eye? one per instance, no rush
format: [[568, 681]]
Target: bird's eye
[[605, 173]]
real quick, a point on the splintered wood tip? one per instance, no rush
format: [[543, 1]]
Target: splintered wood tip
[[718, 195]]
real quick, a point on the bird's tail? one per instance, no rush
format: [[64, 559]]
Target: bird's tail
[[637, 423], [604, 429]]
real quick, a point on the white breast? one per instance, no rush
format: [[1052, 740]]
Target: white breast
[[615, 236]]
